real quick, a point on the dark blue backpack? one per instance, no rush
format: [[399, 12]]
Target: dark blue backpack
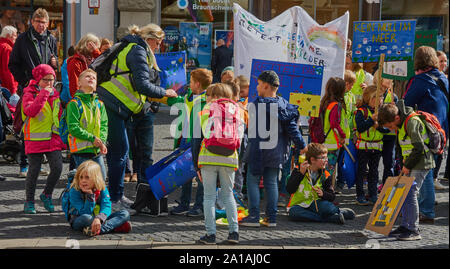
[[65, 197]]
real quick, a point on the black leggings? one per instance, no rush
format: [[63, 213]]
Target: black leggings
[[35, 160]]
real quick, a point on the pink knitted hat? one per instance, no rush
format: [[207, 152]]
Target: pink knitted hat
[[41, 71]]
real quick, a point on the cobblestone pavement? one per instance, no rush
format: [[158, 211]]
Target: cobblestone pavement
[[176, 230]]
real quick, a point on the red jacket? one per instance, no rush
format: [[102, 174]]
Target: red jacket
[[32, 103], [76, 64], [6, 78]]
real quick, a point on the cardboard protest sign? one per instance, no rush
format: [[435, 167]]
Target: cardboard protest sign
[[291, 37], [393, 38], [173, 69], [299, 83], [389, 203], [404, 70]]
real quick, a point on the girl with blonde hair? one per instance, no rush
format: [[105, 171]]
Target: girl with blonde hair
[[89, 205]]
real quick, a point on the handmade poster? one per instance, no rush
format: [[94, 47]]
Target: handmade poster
[[308, 104], [173, 70], [393, 38], [389, 203], [404, 70], [198, 41], [170, 172], [294, 78], [291, 37], [227, 36]]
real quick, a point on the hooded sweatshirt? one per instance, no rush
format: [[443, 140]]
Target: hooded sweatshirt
[[286, 118]]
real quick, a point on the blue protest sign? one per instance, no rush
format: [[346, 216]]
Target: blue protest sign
[[173, 69], [394, 39], [294, 78]]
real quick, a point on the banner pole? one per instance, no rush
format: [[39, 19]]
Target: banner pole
[[380, 71]]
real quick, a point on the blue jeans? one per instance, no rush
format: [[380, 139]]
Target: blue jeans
[[117, 154], [113, 221], [327, 212], [143, 132], [426, 196], [186, 191], [226, 175], [270, 180], [79, 159], [410, 208]]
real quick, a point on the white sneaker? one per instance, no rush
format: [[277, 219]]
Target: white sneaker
[[118, 206], [438, 185]]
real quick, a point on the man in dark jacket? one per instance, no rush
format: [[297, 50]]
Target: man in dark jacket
[[34, 47], [222, 58]]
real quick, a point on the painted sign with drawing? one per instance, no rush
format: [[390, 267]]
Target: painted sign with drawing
[[389, 203]]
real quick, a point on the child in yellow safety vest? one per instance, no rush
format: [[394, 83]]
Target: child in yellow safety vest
[[388, 152], [211, 166], [369, 143], [312, 194], [87, 122]]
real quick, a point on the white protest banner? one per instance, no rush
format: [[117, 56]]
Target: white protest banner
[[292, 37]]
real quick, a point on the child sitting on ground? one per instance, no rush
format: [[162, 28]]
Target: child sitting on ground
[[89, 206], [311, 190]]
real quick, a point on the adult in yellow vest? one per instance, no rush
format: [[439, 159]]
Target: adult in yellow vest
[[41, 110], [312, 194], [125, 95]]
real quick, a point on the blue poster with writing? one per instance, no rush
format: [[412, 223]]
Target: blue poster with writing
[[395, 39], [294, 78], [173, 69]]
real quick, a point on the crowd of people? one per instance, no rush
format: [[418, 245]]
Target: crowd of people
[[114, 119]]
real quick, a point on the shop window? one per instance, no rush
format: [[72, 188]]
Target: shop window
[[213, 18]]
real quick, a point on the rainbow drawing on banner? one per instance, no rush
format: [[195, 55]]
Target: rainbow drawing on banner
[[202, 15], [329, 33]]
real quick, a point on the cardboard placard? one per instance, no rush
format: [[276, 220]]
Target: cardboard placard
[[389, 203]]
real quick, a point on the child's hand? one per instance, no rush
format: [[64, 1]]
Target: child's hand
[[96, 226], [375, 116], [103, 149], [318, 191], [303, 167], [98, 142]]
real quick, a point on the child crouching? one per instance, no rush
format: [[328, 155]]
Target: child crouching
[[90, 205]]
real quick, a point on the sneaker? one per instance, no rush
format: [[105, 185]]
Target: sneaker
[[179, 210], [124, 228], [400, 230], [43, 172], [23, 172], [87, 231], [47, 199], [373, 200], [134, 178], [266, 222], [127, 178], [409, 236], [195, 212], [337, 218], [425, 220], [362, 201], [207, 240], [249, 222], [118, 206], [126, 202], [233, 238], [149, 212], [438, 185], [28, 208], [348, 213]]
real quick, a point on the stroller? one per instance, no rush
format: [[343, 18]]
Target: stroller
[[10, 146]]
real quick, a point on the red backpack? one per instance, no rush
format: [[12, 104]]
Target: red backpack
[[316, 124], [224, 136], [434, 130]]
